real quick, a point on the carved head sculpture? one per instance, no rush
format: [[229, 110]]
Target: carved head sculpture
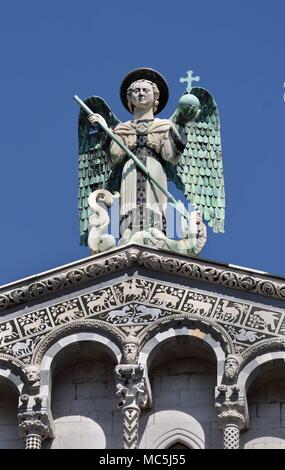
[[146, 84], [143, 94], [33, 374], [130, 349], [231, 367]]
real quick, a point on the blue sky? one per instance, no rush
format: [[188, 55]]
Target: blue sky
[[53, 50]]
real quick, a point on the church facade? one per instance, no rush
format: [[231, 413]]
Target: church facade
[[143, 348]]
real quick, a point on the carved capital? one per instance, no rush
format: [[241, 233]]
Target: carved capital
[[34, 422], [231, 414], [232, 417], [131, 386]]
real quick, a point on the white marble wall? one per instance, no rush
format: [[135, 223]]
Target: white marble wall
[[84, 408], [9, 435], [183, 406], [267, 414]]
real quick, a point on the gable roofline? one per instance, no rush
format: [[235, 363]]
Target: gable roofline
[[121, 258]]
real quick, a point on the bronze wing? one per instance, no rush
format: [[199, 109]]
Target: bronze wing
[[94, 171], [199, 172]]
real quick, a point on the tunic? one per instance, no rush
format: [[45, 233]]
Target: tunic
[[153, 141]]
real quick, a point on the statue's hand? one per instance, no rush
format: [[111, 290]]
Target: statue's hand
[[189, 107], [97, 119]]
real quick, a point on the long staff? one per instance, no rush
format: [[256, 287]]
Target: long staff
[[178, 205]]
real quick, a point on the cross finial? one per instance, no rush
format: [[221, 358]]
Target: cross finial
[[189, 79]]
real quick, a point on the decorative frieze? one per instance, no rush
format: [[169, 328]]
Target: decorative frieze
[[137, 301], [133, 290], [120, 259], [99, 301], [199, 304]]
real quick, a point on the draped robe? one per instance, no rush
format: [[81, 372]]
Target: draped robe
[[153, 141]]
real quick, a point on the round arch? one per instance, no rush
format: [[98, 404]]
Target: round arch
[[153, 346], [7, 376], [250, 371], [78, 326], [53, 352]]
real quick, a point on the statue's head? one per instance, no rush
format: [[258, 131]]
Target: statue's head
[[130, 349], [143, 94], [231, 366], [142, 88], [33, 373]]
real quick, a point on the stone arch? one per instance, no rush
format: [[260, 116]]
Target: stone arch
[[206, 325], [80, 393], [183, 376], [77, 326], [249, 371], [8, 376], [152, 345], [262, 347], [262, 382], [11, 386], [16, 363], [185, 436], [56, 348]]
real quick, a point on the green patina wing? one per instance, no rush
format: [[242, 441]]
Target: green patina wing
[[93, 171], [199, 172]]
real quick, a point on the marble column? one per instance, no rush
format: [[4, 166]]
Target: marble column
[[232, 415], [133, 397], [34, 421], [33, 429]]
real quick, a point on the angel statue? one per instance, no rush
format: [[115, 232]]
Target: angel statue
[[134, 161]]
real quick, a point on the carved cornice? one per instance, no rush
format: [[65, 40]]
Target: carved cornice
[[119, 259], [214, 273], [43, 285]]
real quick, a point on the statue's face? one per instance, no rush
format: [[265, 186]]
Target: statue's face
[[231, 367], [33, 373], [142, 95], [130, 352]]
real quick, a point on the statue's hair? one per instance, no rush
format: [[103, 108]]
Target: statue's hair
[[156, 94]]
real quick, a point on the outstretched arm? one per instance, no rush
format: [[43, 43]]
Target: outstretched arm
[[116, 152]]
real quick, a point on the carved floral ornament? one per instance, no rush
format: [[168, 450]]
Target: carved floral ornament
[[34, 422], [233, 413], [122, 258]]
